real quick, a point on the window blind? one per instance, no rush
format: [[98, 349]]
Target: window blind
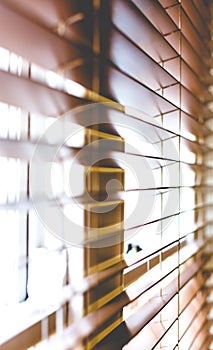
[[131, 82]]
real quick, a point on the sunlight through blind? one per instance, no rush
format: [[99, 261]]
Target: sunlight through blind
[[107, 243]]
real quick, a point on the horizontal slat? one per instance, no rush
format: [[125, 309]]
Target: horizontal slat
[[152, 336], [190, 290], [75, 16], [187, 145], [190, 103], [192, 81], [128, 92], [143, 127], [85, 157], [90, 282], [189, 126], [159, 333], [27, 337], [165, 217], [34, 97], [133, 263], [48, 13], [72, 333], [33, 42], [131, 270], [195, 17], [157, 15], [202, 338], [188, 32], [196, 332], [84, 327], [174, 38], [187, 29], [25, 149], [189, 72], [203, 9], [31, 336], [191, 313], [140, 30], [149, 128], [195, 39], [206, 344], [188, 55], [130, 328], [134, 62], [137, 270]]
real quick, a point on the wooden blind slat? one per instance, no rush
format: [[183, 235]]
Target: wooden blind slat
[[143, 315], [76, 17], [140, 30], [146, 65], [191, 10], [149, 101], [123, 54], [156, 14], [22, 37], [32, 96]]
